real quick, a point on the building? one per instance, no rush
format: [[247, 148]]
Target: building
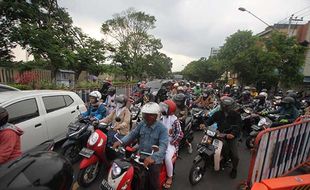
[[302, 34], [214, 51]]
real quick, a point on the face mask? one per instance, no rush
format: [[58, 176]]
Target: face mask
[[119, 105]]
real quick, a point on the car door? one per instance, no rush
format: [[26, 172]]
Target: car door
[[26, 114], [58, 116]]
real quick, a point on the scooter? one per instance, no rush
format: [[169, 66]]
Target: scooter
[[78, 133], [263, 124], [209, 155], [96, 154], [128, 173], [188, 135]]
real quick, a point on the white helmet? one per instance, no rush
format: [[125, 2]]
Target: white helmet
[[96, 94], [176, 85], [151, 108], [264, 94]]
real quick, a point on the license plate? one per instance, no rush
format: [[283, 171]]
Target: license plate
[[105, 185], [86, 152], [216, 143]]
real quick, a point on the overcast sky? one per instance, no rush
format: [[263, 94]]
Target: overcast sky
[[187, 28]]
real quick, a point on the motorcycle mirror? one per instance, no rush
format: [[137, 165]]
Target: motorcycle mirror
[[155, 148]]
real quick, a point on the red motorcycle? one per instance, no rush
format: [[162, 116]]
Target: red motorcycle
[[128, 173], [96, 154]]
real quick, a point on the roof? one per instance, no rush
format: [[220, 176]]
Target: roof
[[6, 96], [66, 71]]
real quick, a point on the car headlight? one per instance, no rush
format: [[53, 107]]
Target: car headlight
[[116, 170], [93, 138]]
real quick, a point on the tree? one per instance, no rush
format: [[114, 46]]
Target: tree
[[131, 43], [204, 70]]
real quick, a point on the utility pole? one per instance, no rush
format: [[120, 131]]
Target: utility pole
[[290, 23]]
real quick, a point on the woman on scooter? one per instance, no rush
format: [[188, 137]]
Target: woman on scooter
[[120, 119], [95, 108], [175, 133]]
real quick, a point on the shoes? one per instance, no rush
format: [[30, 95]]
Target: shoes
[[233, 173]]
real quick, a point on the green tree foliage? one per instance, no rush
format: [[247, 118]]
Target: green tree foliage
[[46, 31], [272, 59], [132, 45], [203, 70]]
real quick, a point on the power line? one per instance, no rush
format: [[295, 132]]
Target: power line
[[293, 14]]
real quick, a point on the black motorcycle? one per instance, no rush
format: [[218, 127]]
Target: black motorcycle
[[209, 155], [188, 135], [199, 115], [77, 136]]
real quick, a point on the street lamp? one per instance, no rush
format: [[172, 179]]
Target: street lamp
[[244, 10]]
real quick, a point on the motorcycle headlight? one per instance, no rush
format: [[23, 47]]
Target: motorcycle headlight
[[116, 170], [93, 139]]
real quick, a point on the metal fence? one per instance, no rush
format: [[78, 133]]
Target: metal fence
[[279, 151]]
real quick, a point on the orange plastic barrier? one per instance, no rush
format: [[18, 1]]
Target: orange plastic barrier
[[301, 182]]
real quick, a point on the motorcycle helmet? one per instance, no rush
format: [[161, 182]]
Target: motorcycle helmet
[[37, 170], [180, 89], [264, 90], [150, 112], [167, 107], [95, 94], [179, 99], [293, 95], [246, 94], [288, 100], [247, 88], [264, 94], [4, 116], [290, 91], [121, 99], [227, 103], [111, 91], [176, 85]]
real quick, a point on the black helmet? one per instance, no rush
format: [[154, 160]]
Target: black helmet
[[293, 95], [121, 99], [41, 170], [246, 93], [227, 103], [288, 100], [111, 91], [4, 116], [179, 99], [290, 91]]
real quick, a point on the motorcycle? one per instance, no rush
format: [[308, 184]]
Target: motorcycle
[[128, 173], [95, 155], [188, 135], [209, 155], [198, 116], [263, 124], [78, 133]]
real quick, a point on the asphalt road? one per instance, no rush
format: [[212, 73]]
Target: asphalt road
[[211, 181]]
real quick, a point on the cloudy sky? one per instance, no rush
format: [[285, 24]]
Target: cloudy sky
[[188, 28]]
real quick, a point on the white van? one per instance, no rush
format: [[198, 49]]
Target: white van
[[41, 114]]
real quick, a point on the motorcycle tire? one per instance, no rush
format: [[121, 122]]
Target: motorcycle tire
[[250, 142], [196, 174], [82, 181], [71, 152]]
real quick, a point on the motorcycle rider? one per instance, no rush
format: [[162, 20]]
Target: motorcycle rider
[[110, 99], [149, 132], [235, 92], [205, 101], [174, 90], [287, 111], [262, 102], [229, 124], [146, 97], [226, 89], [294, 95], [10, 147], [181, 110], [95, 109], [120, 118], [246, 98], [197, 90], [175, 133], [253, 92]]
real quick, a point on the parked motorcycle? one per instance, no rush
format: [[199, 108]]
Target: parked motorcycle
[[128, 173], [209, 155], [78, 133]]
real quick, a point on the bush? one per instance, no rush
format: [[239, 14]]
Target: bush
[[47, 85], [21, 86], [88, 85]]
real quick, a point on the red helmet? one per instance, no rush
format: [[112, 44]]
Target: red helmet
[[168, 106]]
